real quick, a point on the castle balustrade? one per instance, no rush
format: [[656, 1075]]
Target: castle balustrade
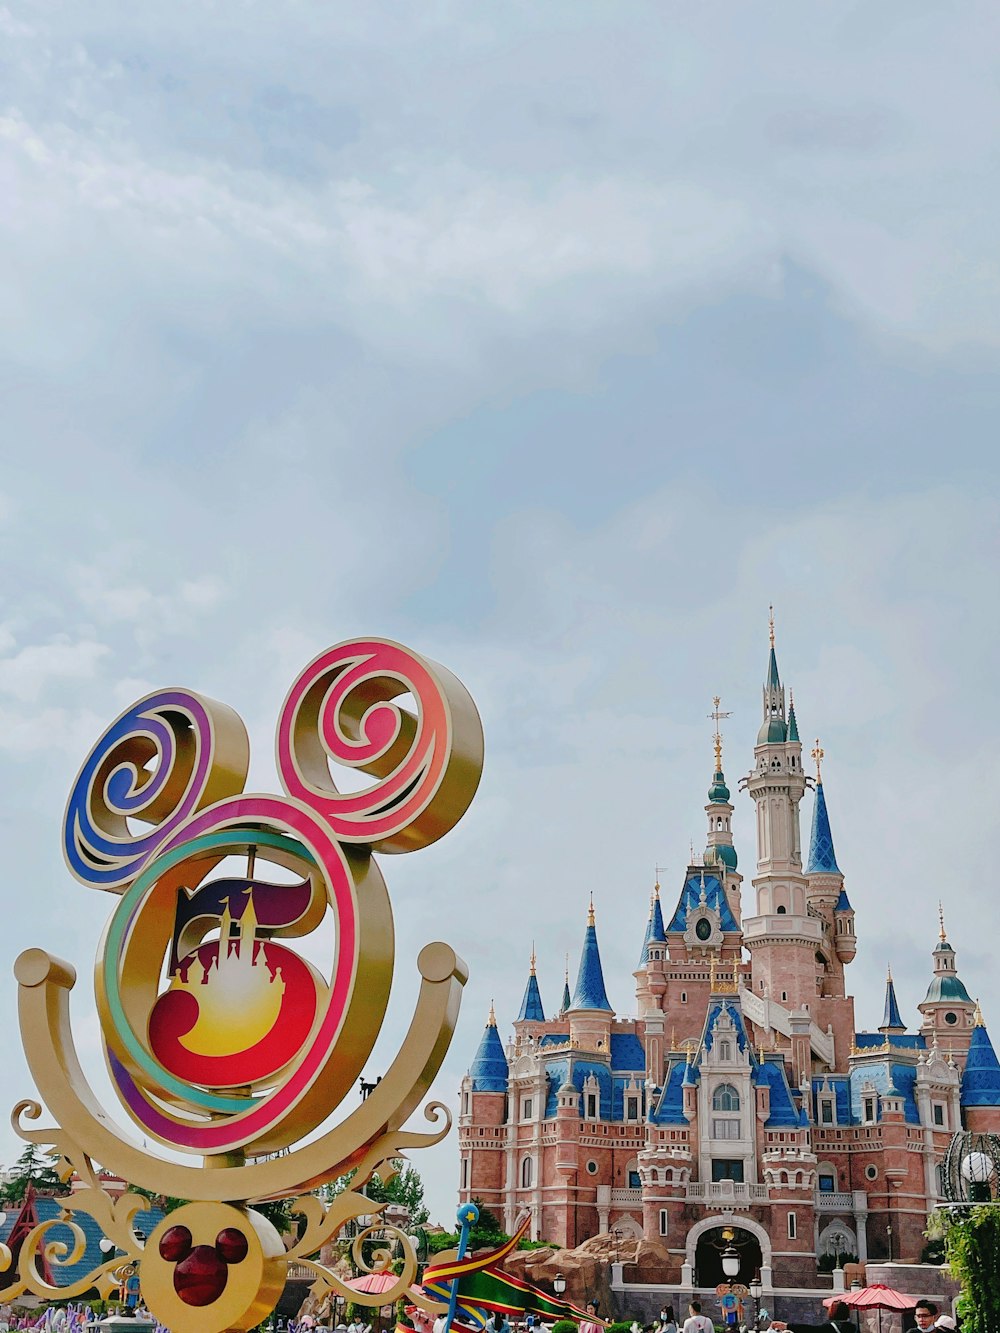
[[626, 1198], [726, 1191], [833, 1201]]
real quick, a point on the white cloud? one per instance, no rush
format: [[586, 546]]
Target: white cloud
[[27, 673]]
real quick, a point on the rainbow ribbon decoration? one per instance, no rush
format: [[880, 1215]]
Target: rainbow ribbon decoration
[[475, 1287]]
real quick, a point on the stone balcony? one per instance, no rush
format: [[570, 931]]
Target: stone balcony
[[626, 1198], [726, 1193]]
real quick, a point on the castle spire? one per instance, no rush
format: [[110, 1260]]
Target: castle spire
[[567, 999], [981, 1077], [531, 1005], [822, 857], [488, 1070], [655, 932], [891, 1020], [590, 992], [773, 729], [793, 726]]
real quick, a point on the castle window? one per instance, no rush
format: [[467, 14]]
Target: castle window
[[826, 1111], [784, 995], [634, 1180], [871, 1173], [465, 1103], [781, 909], [526, 1109], [631, 1108], [827, 1184], [869, 1108], [792, 1226], [592, 1168], [725, 1050], [725, 1098], [727, 1169], [951, 1018], [664, 1221], [527, 1173], [938, 1113], [725, 1129], [591, 1105], [684, 997], [465, 1173]]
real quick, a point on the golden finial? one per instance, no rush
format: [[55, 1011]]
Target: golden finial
[[691, 847], [770, 623], [888, 972], [533, 958], [567, 969], [717, 715], [736, 973], [818, 754], [591, 919], [673, 1037], [491, 1022], [977, 1017], [941, 935]]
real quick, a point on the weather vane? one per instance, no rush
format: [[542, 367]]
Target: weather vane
[[224, 1043]]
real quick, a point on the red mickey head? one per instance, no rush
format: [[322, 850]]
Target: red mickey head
[[201, 1272]]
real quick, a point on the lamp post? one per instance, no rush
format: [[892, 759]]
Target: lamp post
[[756, 1287], [730, 1260], [559, 1284]]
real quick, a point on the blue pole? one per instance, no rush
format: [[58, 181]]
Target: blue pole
[[468, 1216]]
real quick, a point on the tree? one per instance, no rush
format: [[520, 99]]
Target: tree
[[32, 1168], [405, 1188], [973, 1243]]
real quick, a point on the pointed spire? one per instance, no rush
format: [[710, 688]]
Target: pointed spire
[[655, 930], [773, 729], [590, 992], [488, 1070], [793, 726], [773, 678], [531, 1005], [567, 999], [822, 857], [891, 1019], [981, 1079], [941, 931], [718, 792]]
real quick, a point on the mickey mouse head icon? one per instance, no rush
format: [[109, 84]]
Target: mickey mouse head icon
[[201, 1271], [210, 1267]]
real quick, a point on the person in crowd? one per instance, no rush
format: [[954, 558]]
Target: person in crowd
[[925, 1315], [667, 1324], [697, 1322], [590, 1324]]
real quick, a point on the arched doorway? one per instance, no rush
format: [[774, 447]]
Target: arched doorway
[[708, 1255]]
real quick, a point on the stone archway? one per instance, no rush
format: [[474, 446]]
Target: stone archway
[[753, 1232]]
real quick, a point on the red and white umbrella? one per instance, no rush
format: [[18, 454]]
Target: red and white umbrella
[[373, 1283], [877, 1296]]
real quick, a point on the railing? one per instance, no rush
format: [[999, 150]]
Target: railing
[[832, 1201], [726, 1189], [626, 1198]]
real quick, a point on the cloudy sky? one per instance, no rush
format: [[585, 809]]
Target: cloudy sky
[[556, 340]]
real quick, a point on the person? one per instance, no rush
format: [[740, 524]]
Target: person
[[925, 1315], [838, 1320], [590, 1324], [497, 1323], [946, 1321], [696, 1322], [668, 1324]]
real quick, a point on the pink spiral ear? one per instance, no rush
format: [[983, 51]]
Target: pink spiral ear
[[342, 708]]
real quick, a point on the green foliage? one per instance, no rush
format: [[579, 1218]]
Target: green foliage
[[973, 1249], [405, 1188], [564, 1326], [625, 1326], [488, 1220], [33, 1167], [826, 1263]]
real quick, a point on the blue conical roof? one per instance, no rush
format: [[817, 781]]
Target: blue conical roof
[[891, 1018], [531, 1005], [655, 932], [567, 999], [590, 992], [488, 1070], [843, 903], [981, 1079], [793, 726], [773, 680], [822, 857]]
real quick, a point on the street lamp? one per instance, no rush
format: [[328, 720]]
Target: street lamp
[[730, 1260], [559, 1284], [756, 1287], [977, 1168]]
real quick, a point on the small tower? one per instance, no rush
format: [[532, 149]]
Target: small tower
[[650, 975], [980, 1096], [892, 1024], [567, 999], [531, 1006], [948, 1009], [484, 1103], [783, 938], [590, 1011], [720, 854]]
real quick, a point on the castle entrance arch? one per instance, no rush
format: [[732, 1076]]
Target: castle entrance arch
[[706, 1242]]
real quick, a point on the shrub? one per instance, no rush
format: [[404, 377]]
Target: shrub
[[564, 1326], [973, 1244]]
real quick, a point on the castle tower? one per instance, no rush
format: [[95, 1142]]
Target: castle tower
[[948, 1009], [720, 853], [892, 1023], [531, 1006], [650, 975], [980, 1097], [590, 1011], [482, 1174], [783, 938]]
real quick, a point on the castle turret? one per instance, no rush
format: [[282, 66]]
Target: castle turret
[[590, 1011], [980, 1097], [783, 938], [567, 999], [892, 1023], [720, 853], [948, 1009], [484, 1103], [650, 975], [531, 1006]]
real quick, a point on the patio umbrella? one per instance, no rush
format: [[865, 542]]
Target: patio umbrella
[[373, 1283], [877, 1297]]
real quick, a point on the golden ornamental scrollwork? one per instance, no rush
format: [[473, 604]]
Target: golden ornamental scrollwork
[[223, 1041]]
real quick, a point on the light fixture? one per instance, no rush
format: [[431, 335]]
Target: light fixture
[[559, 1284], [730, 1261], [756, 1286], [106, 1245]]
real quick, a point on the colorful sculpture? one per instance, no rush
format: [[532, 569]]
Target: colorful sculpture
[[222, 1040]]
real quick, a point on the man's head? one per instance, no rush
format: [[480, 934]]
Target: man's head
[[695, 1307], [925, 1313], [838, 1310]]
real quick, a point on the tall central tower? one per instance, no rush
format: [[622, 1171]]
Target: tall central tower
[[783, 938]]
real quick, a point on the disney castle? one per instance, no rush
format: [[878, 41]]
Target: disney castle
[[742, 1098]]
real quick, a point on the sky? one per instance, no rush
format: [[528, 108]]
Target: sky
[[556, 341]]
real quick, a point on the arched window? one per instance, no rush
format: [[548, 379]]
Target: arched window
[[527, 1173], [781, 909], [725, 1098]]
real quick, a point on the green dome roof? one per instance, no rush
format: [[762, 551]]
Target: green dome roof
[[947, 990], [721, 853], [772, 730], [719, 791]]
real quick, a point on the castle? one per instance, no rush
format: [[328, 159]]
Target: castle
[[742, 1097]]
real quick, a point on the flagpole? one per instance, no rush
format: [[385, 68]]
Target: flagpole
[[468, 1216]]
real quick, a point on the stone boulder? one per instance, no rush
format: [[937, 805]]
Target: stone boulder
[[587, 1269]]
